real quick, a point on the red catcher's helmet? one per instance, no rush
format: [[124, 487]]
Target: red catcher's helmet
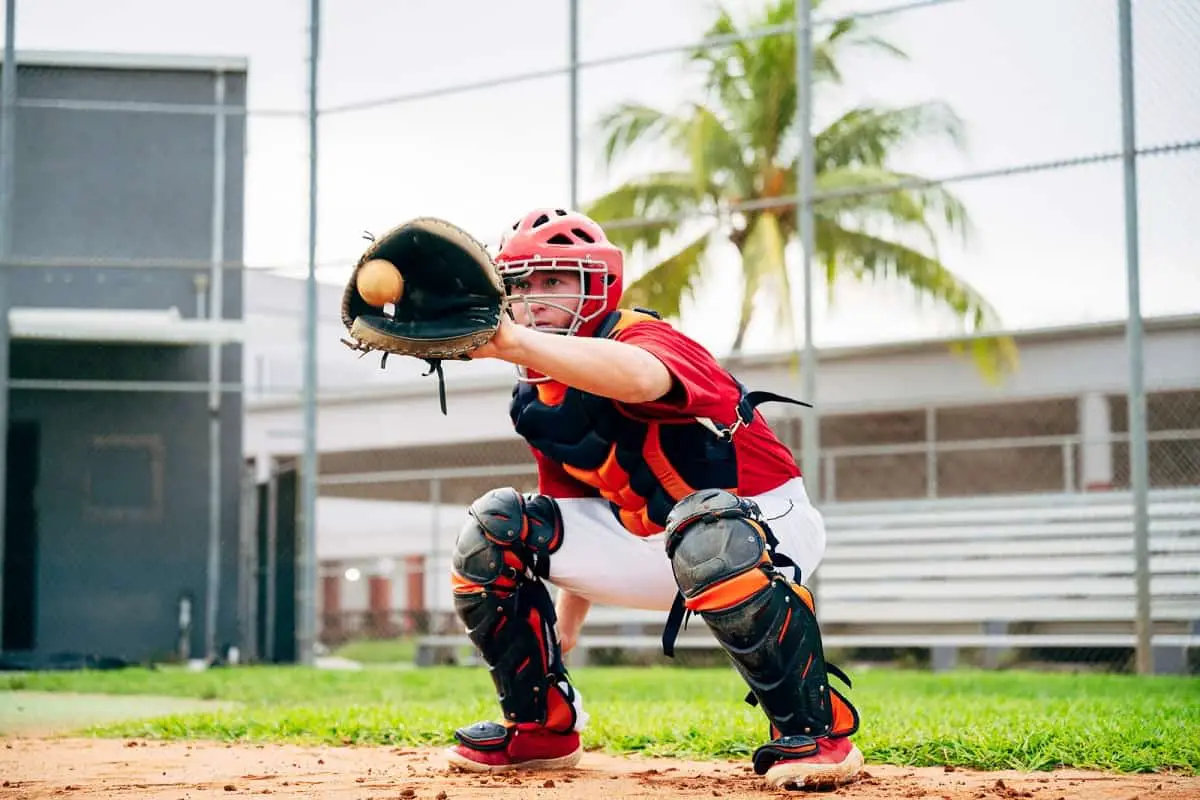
[[560, 240]]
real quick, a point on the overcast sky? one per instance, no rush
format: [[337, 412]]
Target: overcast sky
[[1034, 80]]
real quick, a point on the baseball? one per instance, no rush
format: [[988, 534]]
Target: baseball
[[380, 283]]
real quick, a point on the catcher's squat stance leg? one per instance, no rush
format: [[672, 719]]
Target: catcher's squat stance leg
[[719, 548], [500, 559]]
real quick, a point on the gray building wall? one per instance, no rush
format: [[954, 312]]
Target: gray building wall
[[113, 210]]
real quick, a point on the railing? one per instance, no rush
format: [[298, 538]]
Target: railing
[[1068, 445], [338, 627]]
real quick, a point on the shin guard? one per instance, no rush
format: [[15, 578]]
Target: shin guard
[[720, 551], [499, 559]]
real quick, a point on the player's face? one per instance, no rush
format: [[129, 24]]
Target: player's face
[[546, 298]]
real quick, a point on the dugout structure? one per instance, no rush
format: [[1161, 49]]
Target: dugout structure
[[121, 407]]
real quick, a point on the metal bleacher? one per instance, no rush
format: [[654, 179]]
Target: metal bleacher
[[1001, 573]]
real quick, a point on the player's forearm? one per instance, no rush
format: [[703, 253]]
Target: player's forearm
[[605, 367]]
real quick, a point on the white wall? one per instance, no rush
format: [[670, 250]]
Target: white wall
[[365, 408]]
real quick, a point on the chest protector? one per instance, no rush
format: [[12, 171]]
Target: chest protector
[[641, 468]]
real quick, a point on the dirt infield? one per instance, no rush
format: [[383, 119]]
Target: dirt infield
[[83, 768]]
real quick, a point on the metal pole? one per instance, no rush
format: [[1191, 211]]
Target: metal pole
[[806, 178], [306, 527], [1139, 472], [432, 569], [270, 581], [216, 311], [573, 76], [8, 118]]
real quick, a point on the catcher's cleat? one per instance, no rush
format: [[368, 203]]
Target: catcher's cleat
[[492, 747], [801, 762]]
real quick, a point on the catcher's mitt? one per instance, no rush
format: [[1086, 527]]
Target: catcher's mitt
[[451, 301]]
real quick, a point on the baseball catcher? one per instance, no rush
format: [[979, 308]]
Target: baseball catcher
[[660, 486]]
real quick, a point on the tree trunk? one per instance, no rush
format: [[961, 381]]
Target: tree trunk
[[749, 289], [743, 324]]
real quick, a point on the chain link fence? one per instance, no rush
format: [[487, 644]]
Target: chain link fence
[[967, 160]]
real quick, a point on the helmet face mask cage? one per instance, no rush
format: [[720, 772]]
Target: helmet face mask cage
[[583, 306]]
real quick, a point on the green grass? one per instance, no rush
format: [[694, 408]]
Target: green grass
[[986, 720], [380, 651]]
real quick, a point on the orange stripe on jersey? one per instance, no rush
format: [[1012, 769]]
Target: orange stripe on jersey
[[729, 592]]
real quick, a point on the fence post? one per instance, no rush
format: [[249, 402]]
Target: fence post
[[8, 124], [1139, 477], [1069, 467], [806, 181], [931, 460], [306, 533], [573, 101], [433, 604]]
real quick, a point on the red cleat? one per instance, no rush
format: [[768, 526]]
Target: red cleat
[[800, 762], [492, 747]]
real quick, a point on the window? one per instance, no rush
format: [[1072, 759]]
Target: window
[[123, 479]]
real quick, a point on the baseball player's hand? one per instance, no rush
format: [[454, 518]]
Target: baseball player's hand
[[572, 611], [504, 345]]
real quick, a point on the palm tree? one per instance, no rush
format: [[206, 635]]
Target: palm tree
[[735, 149]]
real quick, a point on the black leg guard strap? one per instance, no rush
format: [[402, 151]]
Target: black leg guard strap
[[509, 616], [718, 545]]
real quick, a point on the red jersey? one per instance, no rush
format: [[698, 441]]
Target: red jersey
[[702, 388]]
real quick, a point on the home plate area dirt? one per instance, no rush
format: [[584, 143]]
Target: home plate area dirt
[[85, 768]]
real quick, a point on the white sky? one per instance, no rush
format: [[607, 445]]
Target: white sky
[[1034, 80]]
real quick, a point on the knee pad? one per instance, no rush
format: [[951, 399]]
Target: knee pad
[[501, 555], [526, 529], [721, 553]]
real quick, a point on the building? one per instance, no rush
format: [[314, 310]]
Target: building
[[124, 440], [903, 420]]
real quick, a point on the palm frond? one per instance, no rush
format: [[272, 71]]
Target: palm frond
[[864, 255], [863, 194], [715, 153], [632, 213], [725, 73], [763, 258], [735, 143], [667, 284], [867, 136], [630, 125]]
